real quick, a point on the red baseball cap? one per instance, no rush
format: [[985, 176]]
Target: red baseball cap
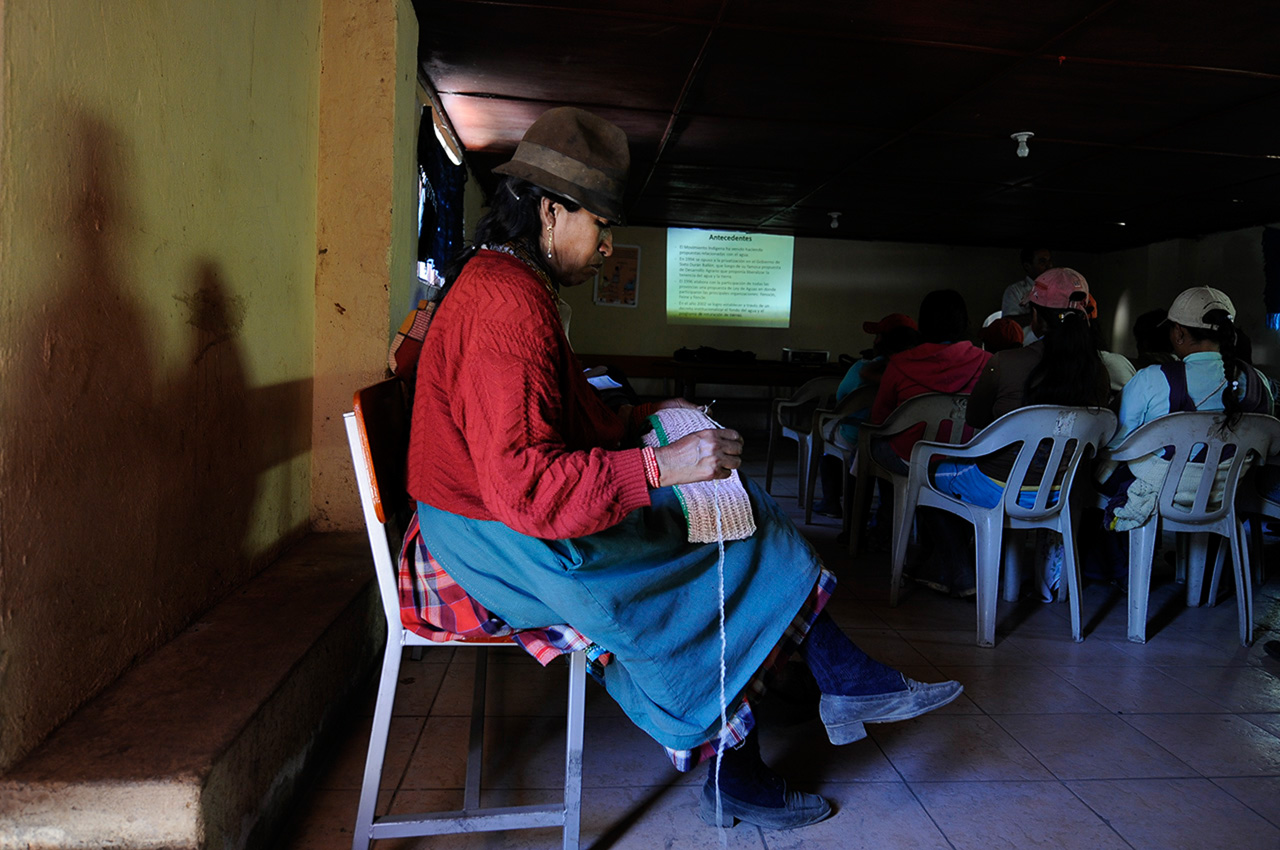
[[889, 322], [1001, 334]]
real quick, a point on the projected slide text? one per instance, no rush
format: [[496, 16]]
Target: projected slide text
[[726, 278]]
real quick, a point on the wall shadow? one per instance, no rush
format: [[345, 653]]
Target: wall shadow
[[128, 494]]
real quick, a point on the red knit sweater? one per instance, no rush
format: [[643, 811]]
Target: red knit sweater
[[505, 426]]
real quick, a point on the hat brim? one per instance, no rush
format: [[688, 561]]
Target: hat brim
[[596, 202]]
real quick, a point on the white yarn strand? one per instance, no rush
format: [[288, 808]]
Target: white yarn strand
[[677, 423], [724, 708]]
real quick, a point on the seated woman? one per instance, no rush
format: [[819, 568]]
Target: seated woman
[[1152, 339], [1061, 367], [893, 334], [1209, 376], [533, 499], [944, 362]]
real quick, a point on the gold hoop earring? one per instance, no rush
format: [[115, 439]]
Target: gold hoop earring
[[551, 238]]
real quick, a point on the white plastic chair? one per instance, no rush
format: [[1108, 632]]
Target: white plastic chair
[[829, 439], [929, 409], [377, 434], [1068, 434], [793, 419], [1213, 509]]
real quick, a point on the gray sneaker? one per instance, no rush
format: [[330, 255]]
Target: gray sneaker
[[844, 716]]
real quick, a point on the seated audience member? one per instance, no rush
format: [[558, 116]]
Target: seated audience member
[[1152, 339], [1035, 261], [1001, 335], [1061, 367], [1209, 376], [1268, 478], [944, 362], [894, 333]]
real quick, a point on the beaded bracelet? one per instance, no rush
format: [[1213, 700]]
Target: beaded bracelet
[[652, 475]]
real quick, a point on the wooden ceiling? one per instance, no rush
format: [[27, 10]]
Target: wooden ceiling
[[1153, 119]]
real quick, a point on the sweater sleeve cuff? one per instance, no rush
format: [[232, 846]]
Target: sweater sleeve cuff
[[628, 471]]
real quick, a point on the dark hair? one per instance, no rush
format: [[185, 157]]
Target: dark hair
[[896, 340], [512, 217], [1244, 347], [1070, 369], [1225, 336], [1029, 255], [943, 317], [1150, 334]]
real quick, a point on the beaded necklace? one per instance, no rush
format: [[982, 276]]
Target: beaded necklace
[[521, 253]]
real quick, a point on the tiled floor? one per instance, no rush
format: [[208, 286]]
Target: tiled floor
[[1106, 743]]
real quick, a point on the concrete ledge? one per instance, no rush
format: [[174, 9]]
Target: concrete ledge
[[201, 745]]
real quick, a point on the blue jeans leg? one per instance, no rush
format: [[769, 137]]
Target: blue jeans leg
[[840, 667]]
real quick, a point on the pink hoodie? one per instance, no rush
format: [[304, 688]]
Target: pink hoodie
[[931, 367]]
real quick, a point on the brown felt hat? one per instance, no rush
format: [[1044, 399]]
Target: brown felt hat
[[575, 154]]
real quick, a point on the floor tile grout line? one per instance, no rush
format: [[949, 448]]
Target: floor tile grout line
[[1230, 794], [1147, 737], [1101, 817], [1049, 780], [1198, 771], [1273, 733], [914, 796]]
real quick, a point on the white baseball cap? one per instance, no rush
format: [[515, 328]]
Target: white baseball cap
[[1192, 306]]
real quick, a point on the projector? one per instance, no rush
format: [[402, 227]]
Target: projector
[[805, 356]]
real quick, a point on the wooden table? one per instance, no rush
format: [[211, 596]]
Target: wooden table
[[687, 374]]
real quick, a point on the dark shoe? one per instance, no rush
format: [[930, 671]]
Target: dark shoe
[[844, 716], [800, 809], [1272, 648], [791, 698]]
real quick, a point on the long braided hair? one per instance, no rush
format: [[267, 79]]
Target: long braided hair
[[1224, 334]]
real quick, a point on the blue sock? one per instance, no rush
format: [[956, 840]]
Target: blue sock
[[840, 668]]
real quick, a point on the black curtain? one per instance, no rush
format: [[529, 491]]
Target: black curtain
[[441, 235]]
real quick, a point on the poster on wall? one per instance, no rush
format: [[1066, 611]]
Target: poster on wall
[[619, 278]]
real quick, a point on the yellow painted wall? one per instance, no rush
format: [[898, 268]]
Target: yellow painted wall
[[157, 256]]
